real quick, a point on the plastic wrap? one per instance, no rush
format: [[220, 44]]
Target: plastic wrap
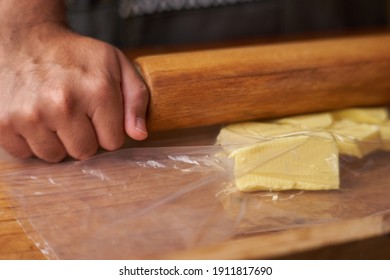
[[152, 201]]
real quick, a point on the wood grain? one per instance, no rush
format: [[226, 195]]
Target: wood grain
[[14, 243], [218, 86], [277, 244], [78, 215]]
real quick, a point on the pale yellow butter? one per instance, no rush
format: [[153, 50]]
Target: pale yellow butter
[[311, 121], [363, 115], [301, 152], [295, 162], [254, 132], [356, 139]]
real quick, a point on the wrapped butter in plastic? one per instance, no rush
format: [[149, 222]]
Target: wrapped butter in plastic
[[287, 163]]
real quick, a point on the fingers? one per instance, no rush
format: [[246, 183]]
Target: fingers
[[29, 137], [44, 143], [135, 99], [16, 146], [61, 127], [76, 139], [79, 138], [107, 114]]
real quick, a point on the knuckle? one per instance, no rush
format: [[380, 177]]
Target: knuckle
[[61, 101], [30, 115], [100, 87], [142, 91], [101, 92]]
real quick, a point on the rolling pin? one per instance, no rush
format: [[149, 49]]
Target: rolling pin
[[220, 86]]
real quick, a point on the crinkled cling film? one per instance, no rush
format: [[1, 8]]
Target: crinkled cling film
[[149, 202]]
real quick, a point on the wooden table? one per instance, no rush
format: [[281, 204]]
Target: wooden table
[[356, 238], [360, 239], [14, 243]]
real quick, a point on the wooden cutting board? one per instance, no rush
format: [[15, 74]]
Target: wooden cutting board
[[15, 244], [359, 211]]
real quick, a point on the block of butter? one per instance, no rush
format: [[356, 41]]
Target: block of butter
[[313, 121], [253, 132], [363, 115], [356, 139], [301, 152], [305, 162]]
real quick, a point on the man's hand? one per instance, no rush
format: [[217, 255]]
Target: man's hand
[[63, 94]]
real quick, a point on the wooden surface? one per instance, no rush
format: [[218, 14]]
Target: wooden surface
[[370, 232], [14, 243], [265, 81], [285, 243], [352, 208]]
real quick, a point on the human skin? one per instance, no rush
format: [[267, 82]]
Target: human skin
[[63, 94]]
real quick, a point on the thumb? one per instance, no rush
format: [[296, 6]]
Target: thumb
[[135, 99]]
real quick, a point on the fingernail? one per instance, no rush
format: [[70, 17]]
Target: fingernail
[[140, 125]]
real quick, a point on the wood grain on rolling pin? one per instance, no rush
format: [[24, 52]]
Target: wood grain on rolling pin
[[218, 86]]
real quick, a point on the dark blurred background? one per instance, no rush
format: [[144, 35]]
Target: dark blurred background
[[241, 21]]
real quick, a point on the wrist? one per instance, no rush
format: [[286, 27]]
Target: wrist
[[18, 19]]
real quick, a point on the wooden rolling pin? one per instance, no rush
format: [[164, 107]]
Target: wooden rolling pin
[[228, 85]]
